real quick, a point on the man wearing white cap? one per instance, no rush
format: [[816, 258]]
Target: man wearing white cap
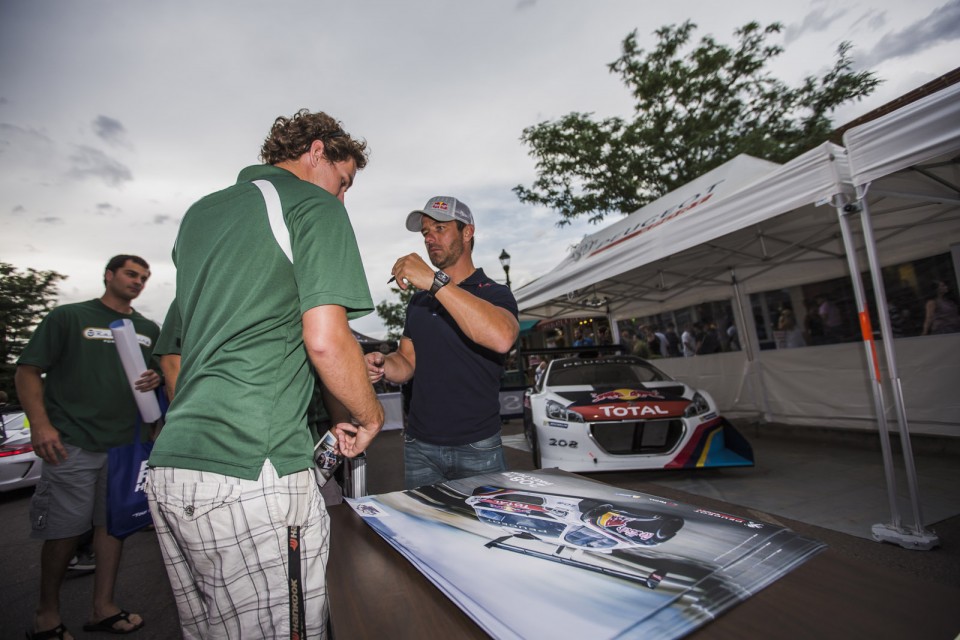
[[459, 326]]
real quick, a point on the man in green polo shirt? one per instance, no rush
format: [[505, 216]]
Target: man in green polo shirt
[[77, 412], [268, 274]]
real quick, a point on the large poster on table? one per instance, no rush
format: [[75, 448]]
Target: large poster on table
[[543, 554]]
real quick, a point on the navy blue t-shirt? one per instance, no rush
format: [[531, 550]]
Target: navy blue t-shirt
[[456, 385]]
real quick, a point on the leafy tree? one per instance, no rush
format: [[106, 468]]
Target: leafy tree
[[25, 297], [394, 314], [695, 109]]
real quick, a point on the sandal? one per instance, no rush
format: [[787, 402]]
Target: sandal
[[107, 624], [59, 632]]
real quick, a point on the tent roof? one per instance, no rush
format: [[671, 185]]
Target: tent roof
[[921, 131], [676, 250]]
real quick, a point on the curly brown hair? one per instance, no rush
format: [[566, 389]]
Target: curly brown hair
[[290, 138]]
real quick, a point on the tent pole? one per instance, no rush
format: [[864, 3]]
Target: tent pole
[[921, 539], [872, 359], [746, 345], [746, 336]]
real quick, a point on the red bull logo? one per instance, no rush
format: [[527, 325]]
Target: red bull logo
[[619, 524], [625, 395]]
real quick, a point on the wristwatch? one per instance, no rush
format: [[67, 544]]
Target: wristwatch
[[440, 280]]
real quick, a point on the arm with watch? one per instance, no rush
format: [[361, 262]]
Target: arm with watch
[[486, 324]]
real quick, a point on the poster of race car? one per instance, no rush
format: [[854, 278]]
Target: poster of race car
[[544, 554]]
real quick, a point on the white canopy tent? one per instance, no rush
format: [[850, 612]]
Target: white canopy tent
[[762, 227], [751, 226]]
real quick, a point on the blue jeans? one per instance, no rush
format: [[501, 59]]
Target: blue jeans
[[425, 463]]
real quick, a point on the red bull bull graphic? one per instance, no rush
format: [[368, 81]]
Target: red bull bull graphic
[[626, 395]]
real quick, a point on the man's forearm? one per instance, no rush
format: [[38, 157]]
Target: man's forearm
[[338, 360], [396, 368], [482, 322], [344, 375], [29, 385], [335, 409]]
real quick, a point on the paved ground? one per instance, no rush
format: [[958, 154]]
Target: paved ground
[[143, 586]]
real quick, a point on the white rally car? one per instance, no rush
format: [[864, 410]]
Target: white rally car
[[622, 413]]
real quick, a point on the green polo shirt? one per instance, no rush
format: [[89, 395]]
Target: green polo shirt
[[245, 382], [86, 392]]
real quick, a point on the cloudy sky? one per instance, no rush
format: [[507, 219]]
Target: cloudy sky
[[116, 115]]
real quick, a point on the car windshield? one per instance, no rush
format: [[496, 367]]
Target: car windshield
[[603, 373]]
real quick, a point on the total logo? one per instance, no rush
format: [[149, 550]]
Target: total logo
[[631, 411], [625, 395]]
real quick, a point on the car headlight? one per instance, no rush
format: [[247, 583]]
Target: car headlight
[[697, 406], [557, 411]]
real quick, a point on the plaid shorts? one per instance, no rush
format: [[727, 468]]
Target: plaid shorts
[[225, 546]]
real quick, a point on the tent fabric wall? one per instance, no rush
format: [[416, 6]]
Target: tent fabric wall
[[825, 386]]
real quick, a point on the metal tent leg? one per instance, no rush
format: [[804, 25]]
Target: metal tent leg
[[918, 537], [892, 532]]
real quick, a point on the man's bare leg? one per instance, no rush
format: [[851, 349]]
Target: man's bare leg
[[55, 555], [107, 548]]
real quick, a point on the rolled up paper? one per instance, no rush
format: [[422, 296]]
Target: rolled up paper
[[125, 337]]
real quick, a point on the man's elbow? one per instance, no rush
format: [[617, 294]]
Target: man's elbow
[[505, 342]]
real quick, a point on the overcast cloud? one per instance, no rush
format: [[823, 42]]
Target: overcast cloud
[[942, 26], [116, 115]]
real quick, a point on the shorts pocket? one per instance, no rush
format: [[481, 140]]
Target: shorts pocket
[[40, 506], [189, 502]]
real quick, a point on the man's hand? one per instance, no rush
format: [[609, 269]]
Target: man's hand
[[375, 362], [411, 269], [352, 440], [47, 444], [148, 381]]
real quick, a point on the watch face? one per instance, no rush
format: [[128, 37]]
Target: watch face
[[439, 280]]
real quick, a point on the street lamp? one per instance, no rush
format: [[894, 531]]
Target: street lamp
[[505, 263]]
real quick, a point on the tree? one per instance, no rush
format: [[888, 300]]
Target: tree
[[394, 314], [25, 297], [693, 113]]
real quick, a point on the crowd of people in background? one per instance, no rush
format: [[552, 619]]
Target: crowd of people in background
[[820, 319], [650, 341]]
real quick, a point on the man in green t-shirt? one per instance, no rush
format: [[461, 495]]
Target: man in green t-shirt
[[268, 274], [77, 412]]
